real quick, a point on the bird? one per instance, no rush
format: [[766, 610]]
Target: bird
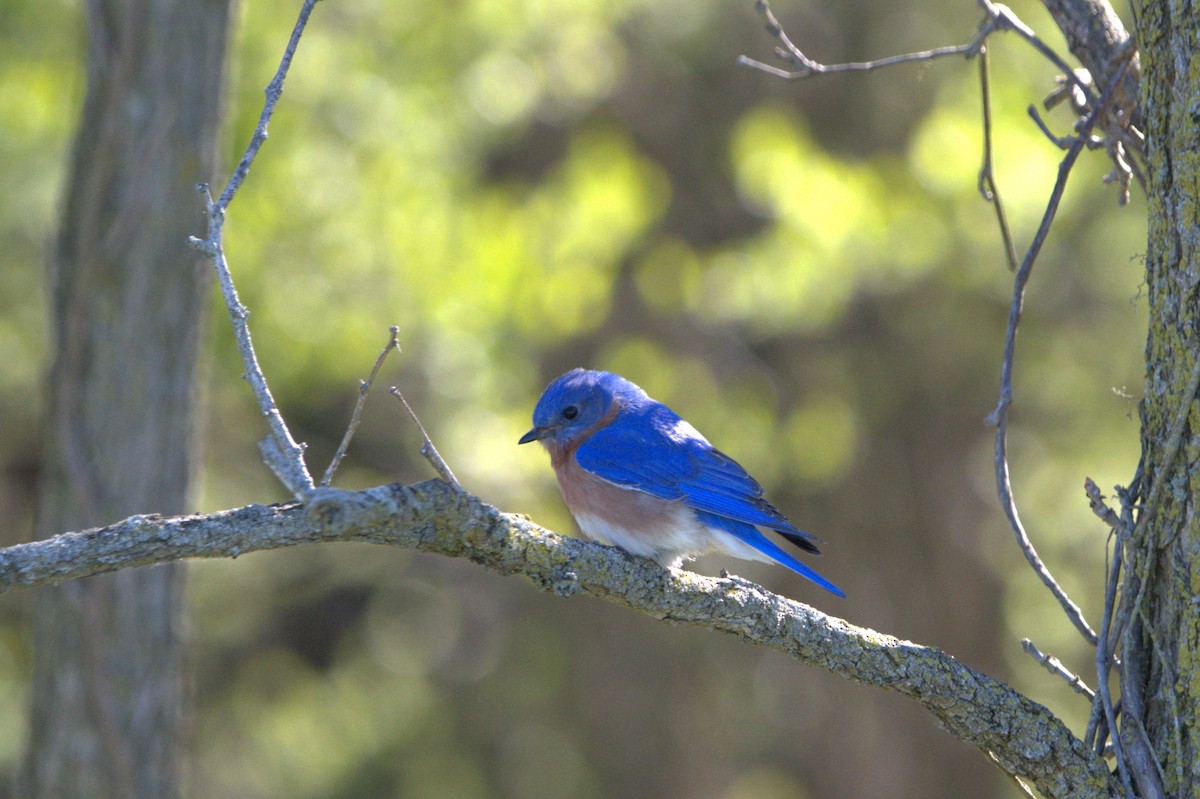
[[636, 475]]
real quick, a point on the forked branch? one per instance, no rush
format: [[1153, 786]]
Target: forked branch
[[280, 451], [996, 17]]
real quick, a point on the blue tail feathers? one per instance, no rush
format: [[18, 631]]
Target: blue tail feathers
[[753, 537]]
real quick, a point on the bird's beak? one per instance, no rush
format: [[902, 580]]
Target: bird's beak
[[536, 434]]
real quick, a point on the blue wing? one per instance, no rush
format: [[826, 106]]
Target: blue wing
[[651, 449], [655, 451]]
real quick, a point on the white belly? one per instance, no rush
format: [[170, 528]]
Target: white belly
[[672, 538]]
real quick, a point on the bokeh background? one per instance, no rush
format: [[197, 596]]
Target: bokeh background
[[804, 270]]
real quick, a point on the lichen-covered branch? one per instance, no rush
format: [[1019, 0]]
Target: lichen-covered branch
[[1023, 737]]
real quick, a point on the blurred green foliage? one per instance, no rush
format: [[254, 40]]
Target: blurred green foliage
[[804, 270]]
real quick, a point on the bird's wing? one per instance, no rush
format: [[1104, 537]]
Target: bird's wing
[[631, 453], [652, 450]]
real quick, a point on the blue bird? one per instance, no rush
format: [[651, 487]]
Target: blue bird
[[636, 475]]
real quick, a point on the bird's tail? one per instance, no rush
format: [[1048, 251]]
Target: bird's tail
[[769, 547], [750, 536]]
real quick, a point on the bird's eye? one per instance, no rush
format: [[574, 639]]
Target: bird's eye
[[570, 412]]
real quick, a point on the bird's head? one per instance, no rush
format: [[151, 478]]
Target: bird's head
[[577, 403]]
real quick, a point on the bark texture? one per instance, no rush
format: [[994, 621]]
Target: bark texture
[[1160, 725], [128, 300], [1097, 37], [1019, 735]]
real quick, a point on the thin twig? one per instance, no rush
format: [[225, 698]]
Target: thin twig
[[427, 448], [987, 175], [1074, 83], [273, 92], [364, 387], [1055, 667], [1099, 506], [1061, 142], [809, 68], [1122, 171], [999, 416], [997, 17], [1102, 706], [1068, 90], [1104, 661], [280, 451], [806, 67], [1104, 711], [1007, 20], [1135, 142]]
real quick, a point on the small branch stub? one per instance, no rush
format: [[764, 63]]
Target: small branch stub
[[427, 448], [393, 343]]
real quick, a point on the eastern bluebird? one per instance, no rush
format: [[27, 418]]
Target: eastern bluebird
[[636, 475]]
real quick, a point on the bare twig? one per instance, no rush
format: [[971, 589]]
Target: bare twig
[[1104, 714], [805, 67], [427, 448], [1061, 142], [808, 68], [364, 387], [1122, 171], [1096, 36], [1104, 710], [1068, 89], [999, 416], [285, 460], [1124, 142], [1104, 661], [280, 451], [273, 92], [1055, 667], [1132, 141], [1106, 702], [1099, 506], [997, 17], [987, 176]]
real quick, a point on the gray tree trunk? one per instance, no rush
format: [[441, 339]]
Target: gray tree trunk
[[1160, 721], [128, 304]]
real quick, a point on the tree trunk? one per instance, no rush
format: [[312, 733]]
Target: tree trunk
[[1161, 649], [128, 305]]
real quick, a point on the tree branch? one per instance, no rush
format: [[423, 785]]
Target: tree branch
[[364, 388], [1023, 737], [1096, 36], [996, 17], [280, 451]]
